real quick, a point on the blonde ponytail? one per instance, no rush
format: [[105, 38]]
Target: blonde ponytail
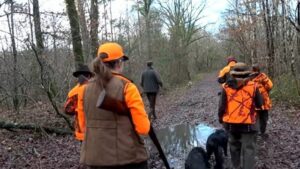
[[103, 73]]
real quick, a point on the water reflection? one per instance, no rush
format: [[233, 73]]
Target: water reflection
[[178, 140]]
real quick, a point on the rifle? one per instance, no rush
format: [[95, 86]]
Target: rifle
[[111, 104], [162, 155]]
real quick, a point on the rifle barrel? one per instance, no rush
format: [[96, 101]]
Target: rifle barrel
[[158, 146]]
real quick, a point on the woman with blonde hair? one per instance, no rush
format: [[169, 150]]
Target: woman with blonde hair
[[112, 138]]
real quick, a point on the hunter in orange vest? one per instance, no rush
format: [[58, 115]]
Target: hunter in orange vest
[[224, 73], [240, 98], [265, 85], [74, 103], [112, 138]]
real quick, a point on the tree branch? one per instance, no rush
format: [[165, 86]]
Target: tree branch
[[294, 24], [45, 83]]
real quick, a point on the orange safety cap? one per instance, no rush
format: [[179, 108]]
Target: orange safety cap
[[111, 51]]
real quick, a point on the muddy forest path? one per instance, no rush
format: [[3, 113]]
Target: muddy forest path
[[194, 104], [198, 103]]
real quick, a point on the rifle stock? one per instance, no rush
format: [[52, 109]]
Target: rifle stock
[[111, 104]]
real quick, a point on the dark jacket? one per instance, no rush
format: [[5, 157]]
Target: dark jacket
[[151, 81], [258, 102]]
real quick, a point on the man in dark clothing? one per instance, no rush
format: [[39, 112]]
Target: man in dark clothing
[[240, 98], [151, 81]]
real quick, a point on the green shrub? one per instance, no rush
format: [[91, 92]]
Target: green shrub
[[285, 90]]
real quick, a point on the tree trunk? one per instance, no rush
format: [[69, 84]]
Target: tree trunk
[[15, 59], [255, 46], [298, 50], [84, 30], [140, 30], [75, 31], [298, 33], [284, 30], [30, 23], [54, 37], [127, 29], [11, 126], [148, 40], [277, 37], [111, 21], [94, 17], [146, 11], [269, 33], [37, 27], [105, 19]]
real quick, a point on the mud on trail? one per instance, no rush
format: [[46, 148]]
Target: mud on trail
[[195, 104], [199, 104]]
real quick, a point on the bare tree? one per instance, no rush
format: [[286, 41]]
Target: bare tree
[[11, 23], [182, 19], [293, 67], [270, 36], [45, 68], [75, 31], [139, 28], [84, 30], [111, 21], [275, 29], [298, 26], [105, 16], [145, 10], [283, 30], [94, 24]]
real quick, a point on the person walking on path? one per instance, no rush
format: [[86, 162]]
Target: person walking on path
[[151, 82], [224, 73], [237, 111], [74, 103], [265, 85], [112, 139]]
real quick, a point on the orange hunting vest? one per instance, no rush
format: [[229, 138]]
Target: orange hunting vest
[[264, 86], [240, 107], [74, 106]]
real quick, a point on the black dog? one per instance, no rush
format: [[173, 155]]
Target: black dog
[[197, 159], [215, 143]]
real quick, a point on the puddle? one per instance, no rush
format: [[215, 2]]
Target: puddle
[[177, 141]]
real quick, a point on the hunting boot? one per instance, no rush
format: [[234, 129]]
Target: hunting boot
[[152, 113]]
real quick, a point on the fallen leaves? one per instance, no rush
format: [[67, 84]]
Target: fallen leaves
[[194, 105]]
